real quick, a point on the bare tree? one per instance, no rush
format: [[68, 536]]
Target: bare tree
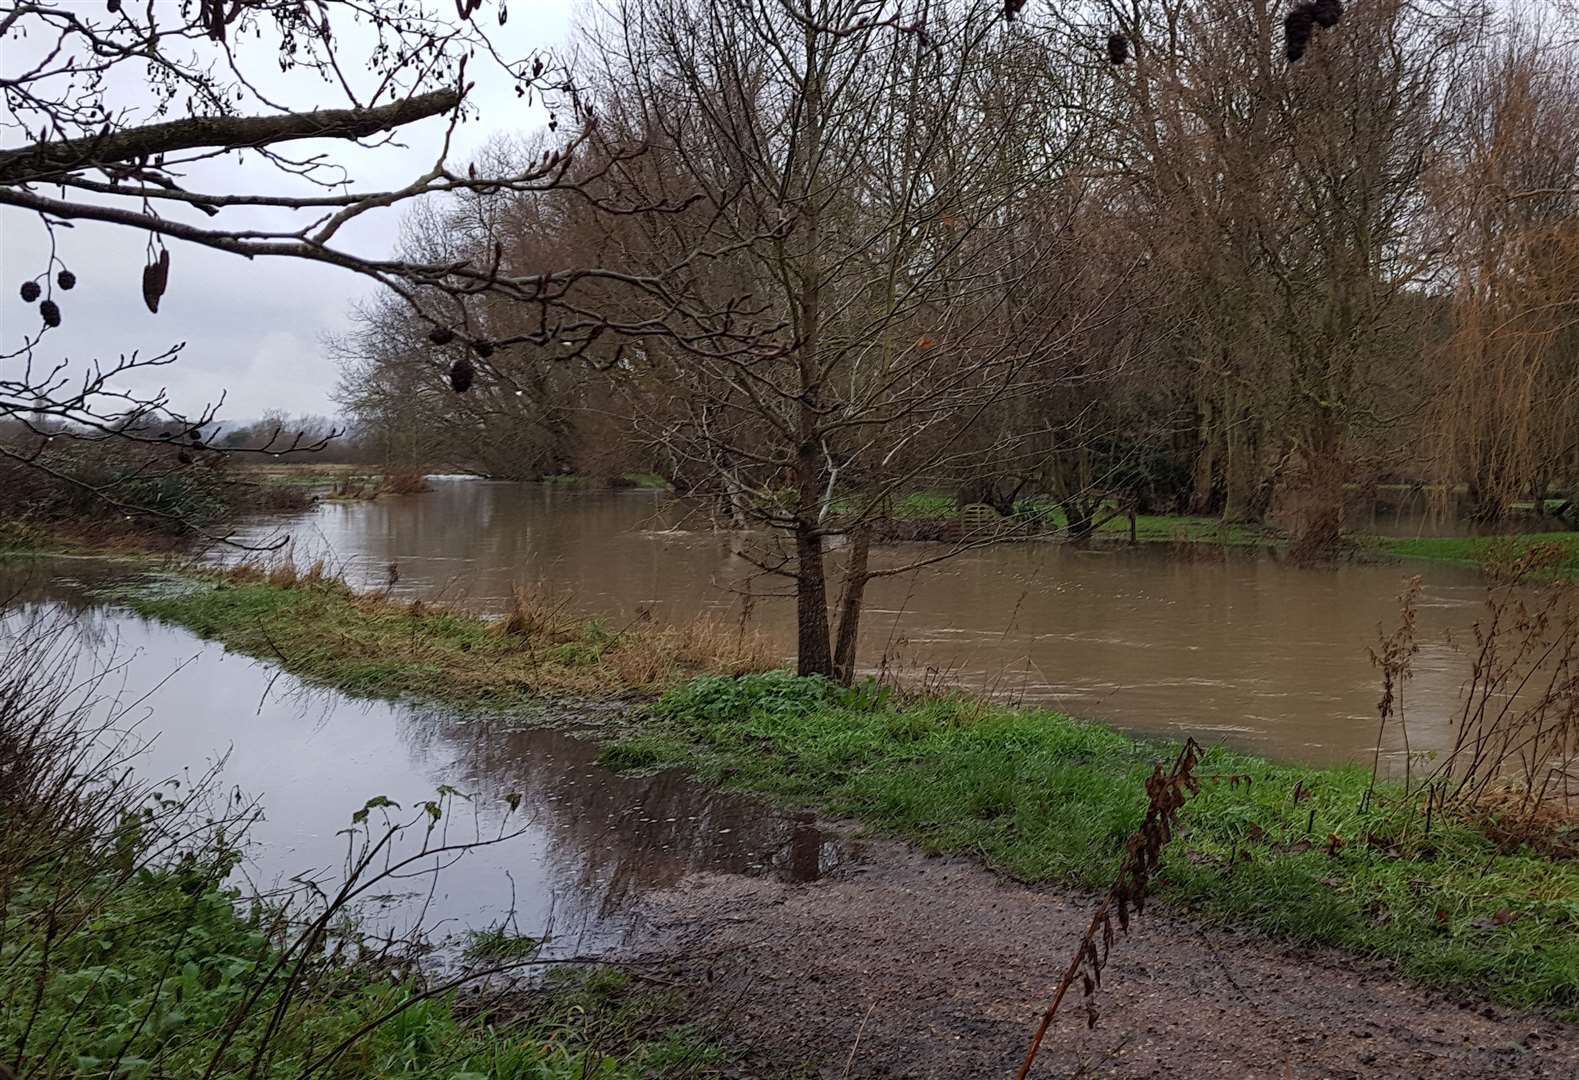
[[89, 96], [1505, 416], [870, 202]]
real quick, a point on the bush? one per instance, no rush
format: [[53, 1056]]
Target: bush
[[108, 487]]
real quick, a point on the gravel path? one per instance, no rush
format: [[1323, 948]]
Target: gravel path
[[908, 966]]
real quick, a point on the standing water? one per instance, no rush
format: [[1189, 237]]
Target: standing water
[[586, 843]]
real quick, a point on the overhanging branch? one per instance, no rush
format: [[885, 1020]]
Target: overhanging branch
[[42, 162]]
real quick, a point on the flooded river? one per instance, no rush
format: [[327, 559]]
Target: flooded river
[[1233, 647]]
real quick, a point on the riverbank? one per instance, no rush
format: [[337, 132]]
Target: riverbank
[[169, 974], [370, 644], [1479, 550], [1296, 853], [137, 943]]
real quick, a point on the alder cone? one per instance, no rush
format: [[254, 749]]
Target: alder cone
[[483, 348], [1117, 48], [1298, 26], [66, 280], [51, 312], [156, 277], [30, 291], [461, 375], [441, 335], [1327, 13]]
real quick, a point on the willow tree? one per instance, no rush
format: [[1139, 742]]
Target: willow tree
[[1506, 413]]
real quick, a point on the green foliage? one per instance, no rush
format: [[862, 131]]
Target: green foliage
[[1050, 799], [716, 699], [171, 974], [1479, 549]]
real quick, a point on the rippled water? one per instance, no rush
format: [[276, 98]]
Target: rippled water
[[1234, 645]]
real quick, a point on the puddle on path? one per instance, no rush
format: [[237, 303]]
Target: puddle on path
[[590, 841]]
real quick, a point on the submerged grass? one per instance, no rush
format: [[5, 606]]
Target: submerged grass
[[1045, 798]]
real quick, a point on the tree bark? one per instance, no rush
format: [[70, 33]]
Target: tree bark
[[41, 161], [813, 656], [855, 579]]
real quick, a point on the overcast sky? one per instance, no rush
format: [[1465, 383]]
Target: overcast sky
[[254, 330]]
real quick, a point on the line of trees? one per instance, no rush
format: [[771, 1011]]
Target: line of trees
[[1147, 251]]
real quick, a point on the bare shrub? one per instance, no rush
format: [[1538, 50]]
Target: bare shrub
[[1515, 747], [1165, 797], [1394, 655], [404, 482]]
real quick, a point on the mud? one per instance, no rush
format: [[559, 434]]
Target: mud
[[908, 966]]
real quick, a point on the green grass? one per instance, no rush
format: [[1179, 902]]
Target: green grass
[[1149, 528], [1048, 799], [650, 481], [156, 975], [319, 629], [1478, 549], [1034, 794]]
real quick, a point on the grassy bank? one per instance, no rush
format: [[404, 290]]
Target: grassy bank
[[1186, 529], [372, 645], [1478, 550], [1034, 794], [1048, 799], [154, 980]]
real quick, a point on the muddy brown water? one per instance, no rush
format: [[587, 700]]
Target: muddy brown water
[[1234, 647]]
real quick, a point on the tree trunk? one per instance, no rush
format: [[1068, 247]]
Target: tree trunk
[[855, 579], [1242, 473], [813, 656], [1203, 485], [1320, 505]]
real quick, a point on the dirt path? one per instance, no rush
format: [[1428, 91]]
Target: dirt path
[[905, 966]]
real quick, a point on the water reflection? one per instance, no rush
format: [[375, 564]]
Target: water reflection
[[591, 841]]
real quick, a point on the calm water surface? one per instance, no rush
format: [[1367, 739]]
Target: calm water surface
[[590, 841]]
